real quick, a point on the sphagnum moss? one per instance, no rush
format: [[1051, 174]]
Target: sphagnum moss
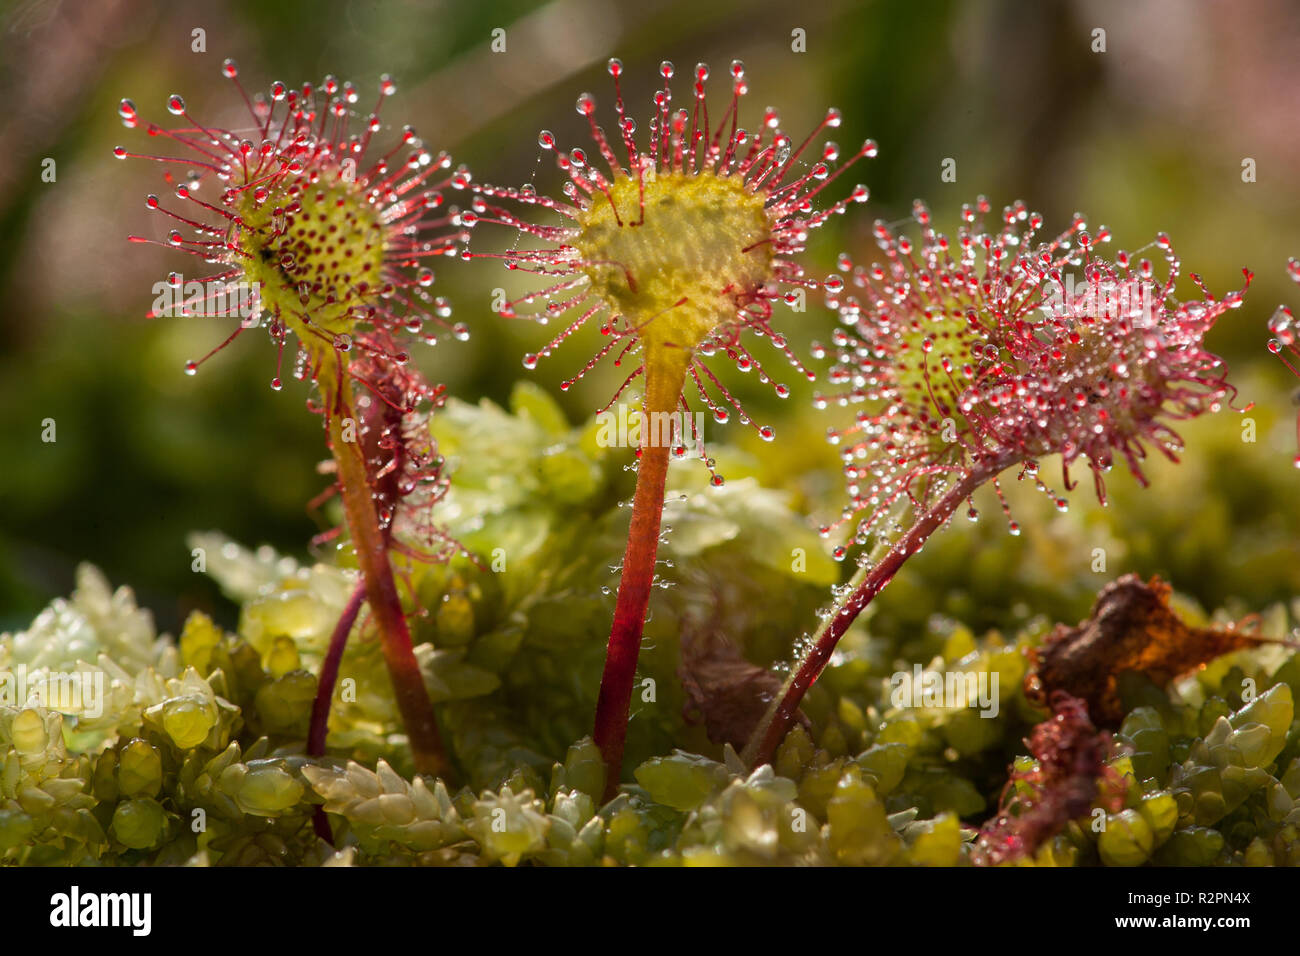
[[678, 252]]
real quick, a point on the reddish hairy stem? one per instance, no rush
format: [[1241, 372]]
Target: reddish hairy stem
[[320, 707], [381, 590], [329, 672], [776, 722], [665, 373]]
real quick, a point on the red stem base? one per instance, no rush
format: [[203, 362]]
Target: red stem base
[[665, 372], [320, 708]]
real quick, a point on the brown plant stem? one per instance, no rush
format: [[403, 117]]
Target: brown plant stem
[[381, 590], [776, 722], [665, 373]]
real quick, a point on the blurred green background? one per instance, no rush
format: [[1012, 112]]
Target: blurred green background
[[1148, 135]]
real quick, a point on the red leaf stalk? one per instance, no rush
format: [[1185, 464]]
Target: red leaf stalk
[[381, 591], [776, 723], [664, 383]]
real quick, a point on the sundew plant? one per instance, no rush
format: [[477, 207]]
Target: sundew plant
[[331, 247], [979, 357], [676, 250], [746, 510]]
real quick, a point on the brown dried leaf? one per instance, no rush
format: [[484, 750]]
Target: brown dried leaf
[[729, 693], [1132, 628]]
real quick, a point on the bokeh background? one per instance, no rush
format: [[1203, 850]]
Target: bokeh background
[[1149, 135]]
